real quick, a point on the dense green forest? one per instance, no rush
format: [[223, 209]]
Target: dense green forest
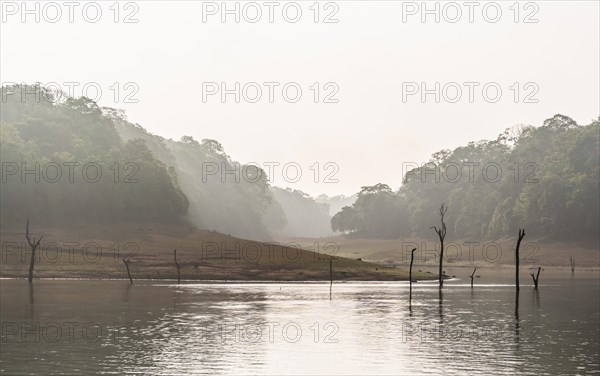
[[545, 179], [64, 162]]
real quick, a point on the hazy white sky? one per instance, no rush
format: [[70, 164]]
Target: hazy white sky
[[367, 55]]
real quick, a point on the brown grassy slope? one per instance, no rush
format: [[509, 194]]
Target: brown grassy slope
[[87, 252], [499, 253]]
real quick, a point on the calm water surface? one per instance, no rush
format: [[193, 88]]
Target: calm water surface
[[76, 327]]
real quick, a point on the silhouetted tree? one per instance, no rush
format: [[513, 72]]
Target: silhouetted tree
[[441, 232], [33, 244]]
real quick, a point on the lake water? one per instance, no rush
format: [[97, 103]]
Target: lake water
[[77, 327]]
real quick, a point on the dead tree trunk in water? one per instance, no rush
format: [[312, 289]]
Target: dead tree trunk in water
[[128, 274], [412, 257], [33, 244], [441, 232], [572, 260], [536, 278], [472, 276], [330, 277], [521, 236], [176, 264]]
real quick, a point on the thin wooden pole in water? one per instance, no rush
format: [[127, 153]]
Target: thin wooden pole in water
[[521, 236], [410, 280], [176, 264], [128, 274], [330, 276]]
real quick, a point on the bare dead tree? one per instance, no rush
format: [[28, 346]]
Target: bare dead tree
[[128, 273], [536, 278], [521, 236], [33, 244], [441, 232], [572, 260], [472, 276], [412, 257], [177, 265]]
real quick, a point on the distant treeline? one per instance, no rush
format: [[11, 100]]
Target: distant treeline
[[545, 179]]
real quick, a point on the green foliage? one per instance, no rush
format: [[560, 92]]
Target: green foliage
[[545, 179], [377, 212], [55, 140]]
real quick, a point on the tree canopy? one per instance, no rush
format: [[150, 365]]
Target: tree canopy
[[543, 178], [64, 162]]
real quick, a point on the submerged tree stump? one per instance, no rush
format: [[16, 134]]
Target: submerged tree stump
[[410, 280], [521, 236], [441, 232], [128, 273], [536, 278], [330, 277], [572, 261], [34, 245], [472, 276]]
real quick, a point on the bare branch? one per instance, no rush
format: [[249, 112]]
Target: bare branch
[[27, 233]]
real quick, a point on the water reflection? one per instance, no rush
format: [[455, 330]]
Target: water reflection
[[31, 294], [536, 297], [370, 328], [441, 304], [517, 322]]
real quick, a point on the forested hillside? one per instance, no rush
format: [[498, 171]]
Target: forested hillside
[[64, 162], [224, 195], [545, 179]]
